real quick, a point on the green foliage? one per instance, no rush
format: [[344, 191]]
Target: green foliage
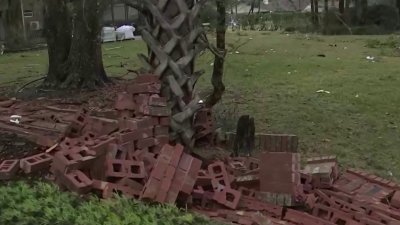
[[44, 204], [390, 42], [290, 21]]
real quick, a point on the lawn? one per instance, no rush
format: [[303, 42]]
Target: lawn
[[275, 77]]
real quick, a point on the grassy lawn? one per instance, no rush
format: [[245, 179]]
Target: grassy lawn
[[275, 77]]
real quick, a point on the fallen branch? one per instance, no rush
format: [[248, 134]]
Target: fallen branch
[[344, 23], [30, 82]]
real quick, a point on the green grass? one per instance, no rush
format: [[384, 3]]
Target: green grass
[[45, 204], [358, 121]]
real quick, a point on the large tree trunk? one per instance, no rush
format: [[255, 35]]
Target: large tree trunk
[[14, 28], [58, 34], [85, 58], [218, 71]]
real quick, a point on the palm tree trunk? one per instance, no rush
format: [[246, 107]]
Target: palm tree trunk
[[171, 36]]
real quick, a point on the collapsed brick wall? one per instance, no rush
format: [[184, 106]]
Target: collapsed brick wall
[[131, 155]]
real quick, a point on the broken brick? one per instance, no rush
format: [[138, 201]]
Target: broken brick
[[8, 169], [35, 163]]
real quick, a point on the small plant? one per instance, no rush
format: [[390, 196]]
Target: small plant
[[226, 116]]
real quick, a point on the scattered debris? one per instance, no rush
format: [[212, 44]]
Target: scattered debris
[[371, 58], [323, 91], [129, 153], [15, 119]]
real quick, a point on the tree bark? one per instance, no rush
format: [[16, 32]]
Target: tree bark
[[341, 6], [218, 70], [259, 6], [364, 9], [13, 26], [251, 11], [85, 57], [316, 7], [398, 5], [112, 13], [57, 30], [244, 139], [326, 6], [347, 11]]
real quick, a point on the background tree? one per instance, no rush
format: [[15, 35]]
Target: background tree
[[73, 35], [58, 32], [218, 70], [13, 25], [85, 59]]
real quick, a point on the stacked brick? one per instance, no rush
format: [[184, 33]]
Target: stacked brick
[[269, 142], [280, 178]]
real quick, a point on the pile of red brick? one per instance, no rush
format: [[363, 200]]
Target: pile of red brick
[[131, 155]]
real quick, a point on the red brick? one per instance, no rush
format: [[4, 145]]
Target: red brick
[[35, 163], [131, 183], [151, 189], [156, 100], [157, 111], [304, 218], [146, 143], [8, 169], [203, 179], [254, 204], [117, 152], [99, 185], [166, 184], [395, 201], [77, 181], [218, 175], [135, 169], [146, 79], [68, 143], [162, 140], [103, 146], [161, 131], [103, 126], [177, 156], [116, 169], [141, 100], [228, 197], [134, 135], [153, 88], [164, 121]]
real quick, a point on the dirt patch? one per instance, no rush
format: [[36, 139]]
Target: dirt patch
[[14, 147]]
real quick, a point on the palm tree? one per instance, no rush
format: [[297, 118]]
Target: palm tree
[[171, 33]]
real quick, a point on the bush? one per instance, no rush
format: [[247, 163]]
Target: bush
[[44, 204], [383, 16]]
